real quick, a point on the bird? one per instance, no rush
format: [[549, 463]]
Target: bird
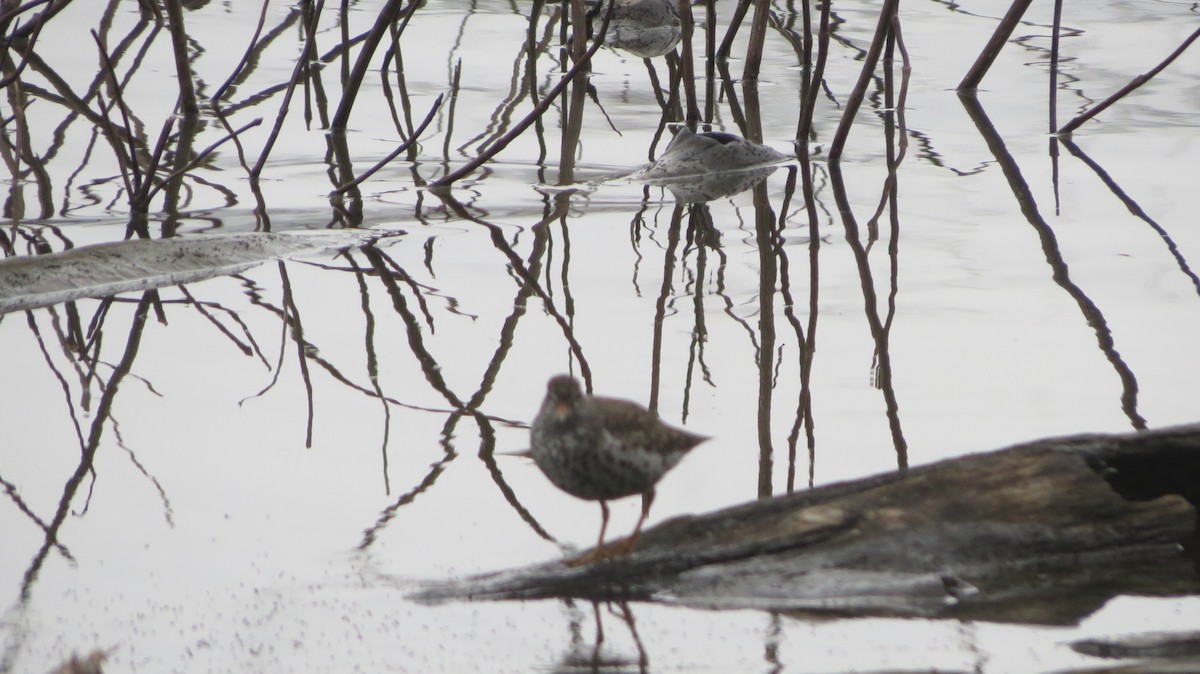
[[691, 154], [600, 449], [644, 28]]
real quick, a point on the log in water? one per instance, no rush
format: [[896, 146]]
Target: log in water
[[1043, 532]]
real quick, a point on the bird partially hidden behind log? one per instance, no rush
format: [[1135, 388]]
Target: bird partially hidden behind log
[[600, 449]]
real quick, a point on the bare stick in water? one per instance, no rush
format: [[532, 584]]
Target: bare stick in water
[[394, 153], [387, 15], [758, 37], [882, 30], [984, 61], [1134, 84], [537, 112], [187, 89]]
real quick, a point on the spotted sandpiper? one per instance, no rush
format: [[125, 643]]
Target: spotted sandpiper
[[601, 449]]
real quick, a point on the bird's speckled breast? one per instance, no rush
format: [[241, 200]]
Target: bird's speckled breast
[[586, 461]]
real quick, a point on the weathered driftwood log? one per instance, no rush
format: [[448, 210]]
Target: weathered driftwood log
[[103, 269], [1042, 532]]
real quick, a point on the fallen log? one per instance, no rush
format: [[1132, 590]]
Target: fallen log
[[1043, 532], [110, 268]]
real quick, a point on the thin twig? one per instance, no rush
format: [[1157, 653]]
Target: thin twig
[[886, 15], [1054, 258], [528, 277], [688, 63], [140, 200], [291, 314], [1134, 84], [546, 102], [893, 165], [16, 11], [739, 15], [394, 153], [16, 73], [454, 88], [387, 15], [807, 110], [134, 184], [1136, 210], [758, 38], [22, 33], [200, 157], [297, 71], [710, 63], [1054, 43], [984, 61], [183, 71], [215, 101]]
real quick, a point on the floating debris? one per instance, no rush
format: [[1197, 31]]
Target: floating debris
[[104, 269]]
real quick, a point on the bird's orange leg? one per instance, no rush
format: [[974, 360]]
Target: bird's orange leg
[[603, 526], [626, 546], [598, 552]]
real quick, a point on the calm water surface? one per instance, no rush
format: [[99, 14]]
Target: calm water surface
[[271, 461]]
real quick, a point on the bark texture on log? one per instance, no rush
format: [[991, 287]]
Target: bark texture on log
[[1043, 532]]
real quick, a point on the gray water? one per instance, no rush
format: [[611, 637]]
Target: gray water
[[271, 461]]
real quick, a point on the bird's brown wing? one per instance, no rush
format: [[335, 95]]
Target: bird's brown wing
[[631, 423]]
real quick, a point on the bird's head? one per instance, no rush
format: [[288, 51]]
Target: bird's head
[[562, 394]]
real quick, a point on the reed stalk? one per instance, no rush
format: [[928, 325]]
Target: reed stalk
[[887, 15], [183, 71], [389, 14]]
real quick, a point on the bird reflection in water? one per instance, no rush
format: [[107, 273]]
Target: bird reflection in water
[[594, 658], [645, 28]]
